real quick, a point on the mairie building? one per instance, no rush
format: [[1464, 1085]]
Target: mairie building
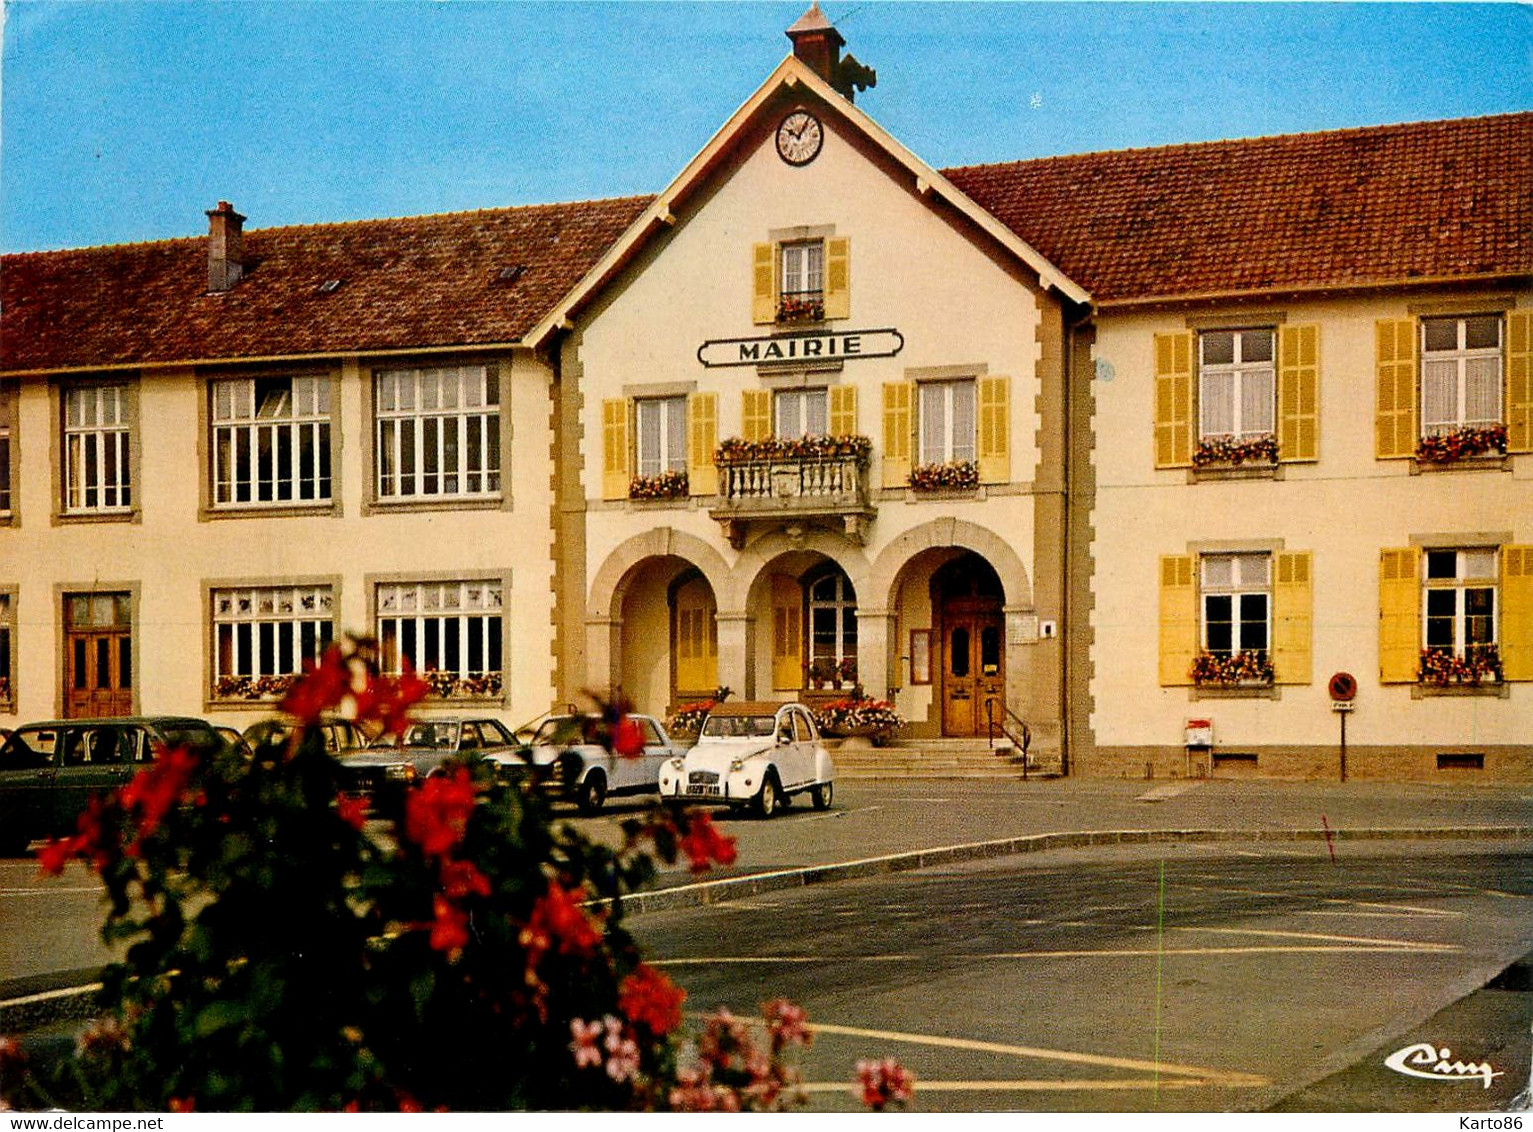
[[1210, 459]]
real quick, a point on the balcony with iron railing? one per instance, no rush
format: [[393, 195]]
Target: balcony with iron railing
[[819, 480]]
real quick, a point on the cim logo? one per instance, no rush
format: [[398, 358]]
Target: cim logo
[[1434, 1063]]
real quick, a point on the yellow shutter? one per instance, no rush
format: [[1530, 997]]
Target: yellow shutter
[[1517, 612], [616, 450], [787, 634], [697, 642], [702, 439], [1178, 618], [843, 410], [838, 277], [994, 438], [1173, 400], [1292, 618], [1399, 615], [764, 283], [1394, 419], [756, 414], [898, 396], [1519, 381], [1299, 392]]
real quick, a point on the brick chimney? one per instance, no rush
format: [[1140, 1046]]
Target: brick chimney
[[226, 247], [817, 44]]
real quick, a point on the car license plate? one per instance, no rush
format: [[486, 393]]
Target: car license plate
[[706, 791]]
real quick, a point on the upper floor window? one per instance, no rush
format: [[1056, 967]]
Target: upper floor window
[[97, 474], [271, 441], [946, 425], [438, 432], [1460, 599], [801, 296], [1460, 373], [7, 408], [1236, 594], [263, 634], [1236, 388], [802, 412], [662, 435]]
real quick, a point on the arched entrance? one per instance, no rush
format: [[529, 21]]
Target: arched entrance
[[966, 600], [811, 642]]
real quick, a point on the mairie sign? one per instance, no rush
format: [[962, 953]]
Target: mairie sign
[[809, 346]]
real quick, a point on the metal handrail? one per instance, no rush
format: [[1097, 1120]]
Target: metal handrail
[[1022, 742]]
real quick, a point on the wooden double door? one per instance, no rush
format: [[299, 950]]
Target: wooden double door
[[98, 655], [972, 655]]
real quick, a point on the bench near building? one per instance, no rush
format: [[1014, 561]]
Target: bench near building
[[1109, 443]]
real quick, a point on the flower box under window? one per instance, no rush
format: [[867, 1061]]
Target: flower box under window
[[252, 687], [955, 475], [1258, 451], [1461, 444], [1251, 669], [1476, 665], [665, 485], [734, 450], [450, 686], [806, 307]]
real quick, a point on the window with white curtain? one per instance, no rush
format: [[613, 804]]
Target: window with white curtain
[[662, 435], [946, 425], [438, 432], [1236, 385], [802, 412], [1460, 602], [1460, 373], [96, 452], [1236, 592]]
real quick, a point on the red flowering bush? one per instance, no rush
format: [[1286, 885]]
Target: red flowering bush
[[1461, 444]]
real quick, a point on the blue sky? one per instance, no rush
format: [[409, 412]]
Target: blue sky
[[123, 121]]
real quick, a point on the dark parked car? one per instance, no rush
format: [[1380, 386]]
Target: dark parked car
[[339, 734], [394, 762], [49, 770]]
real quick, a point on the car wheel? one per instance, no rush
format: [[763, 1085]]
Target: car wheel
[[591, 793], [770, 797], [820, 795]]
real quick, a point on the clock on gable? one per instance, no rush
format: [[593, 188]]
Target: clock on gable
[[799, 138]]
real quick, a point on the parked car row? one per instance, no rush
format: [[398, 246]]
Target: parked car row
[[755, 755]]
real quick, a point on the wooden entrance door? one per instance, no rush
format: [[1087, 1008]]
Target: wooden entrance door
[[973, 670], [98, 656]]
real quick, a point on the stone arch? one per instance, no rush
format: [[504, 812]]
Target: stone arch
[[763, 551], [606, 591], [958, 534]]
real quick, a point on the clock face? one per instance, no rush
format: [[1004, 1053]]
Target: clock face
[[799, 138]]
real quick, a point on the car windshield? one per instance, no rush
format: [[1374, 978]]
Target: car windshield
[[739, 727], [557, 730], [437, 734]]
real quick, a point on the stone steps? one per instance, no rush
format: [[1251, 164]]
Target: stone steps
[[936, 758]]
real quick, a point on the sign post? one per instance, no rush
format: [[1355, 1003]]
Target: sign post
[[1343, 690]]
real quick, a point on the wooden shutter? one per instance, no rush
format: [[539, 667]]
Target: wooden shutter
[[756, 414], [843, 410], [702, 439], [994, 440], [697, 638], [1399, 615], [616, 462], [1519, 381], [1173, 400], [764, 283], [1293, 599], [1178, 618], [1394, 422], [1298, 393], [838, 277], [787, 634], [898, 421], [1517, 612]]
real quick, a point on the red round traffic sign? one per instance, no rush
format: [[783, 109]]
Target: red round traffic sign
[[1343, 687]]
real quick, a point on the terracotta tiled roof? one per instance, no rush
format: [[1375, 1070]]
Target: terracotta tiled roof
[[1366, 206], [425, 281]]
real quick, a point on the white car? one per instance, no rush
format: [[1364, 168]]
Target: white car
[[566, 755], [752, 754]]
